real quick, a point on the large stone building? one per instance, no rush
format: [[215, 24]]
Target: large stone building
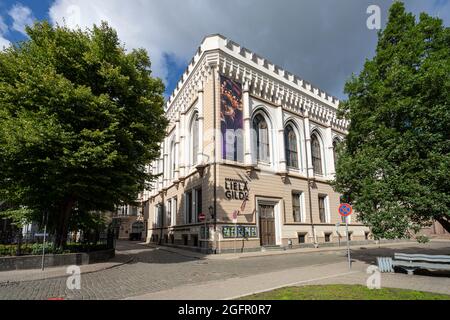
[[250, 148]]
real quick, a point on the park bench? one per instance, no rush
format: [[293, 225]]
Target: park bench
[[412, 262]]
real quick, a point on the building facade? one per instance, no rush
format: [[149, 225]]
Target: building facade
[[248, 158], [129, 223]]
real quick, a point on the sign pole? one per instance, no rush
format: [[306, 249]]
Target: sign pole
[[338, 234], [348, 244], [44, 242], [235, 220], [346, 210], [235, 237]]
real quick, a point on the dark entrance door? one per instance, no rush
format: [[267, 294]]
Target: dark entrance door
[[267, 224]]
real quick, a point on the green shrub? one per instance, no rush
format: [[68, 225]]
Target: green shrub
[[85, 247], [11, 249], [7, 250], [422, 239], [36, 248]]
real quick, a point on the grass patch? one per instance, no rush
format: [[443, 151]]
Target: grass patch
[[344, 292]]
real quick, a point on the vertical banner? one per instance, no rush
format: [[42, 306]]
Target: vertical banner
[[231, 120]]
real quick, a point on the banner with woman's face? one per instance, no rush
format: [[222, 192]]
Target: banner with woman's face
[[231, 118]]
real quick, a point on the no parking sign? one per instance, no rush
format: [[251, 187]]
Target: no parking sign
[[345, 209]]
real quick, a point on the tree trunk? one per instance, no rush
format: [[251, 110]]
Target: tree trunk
[[445, 222], [62, 226]]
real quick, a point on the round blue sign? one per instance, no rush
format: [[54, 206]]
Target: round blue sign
[[345, 209]]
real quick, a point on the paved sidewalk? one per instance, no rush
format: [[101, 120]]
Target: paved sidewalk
[[337, 273], [238, 286]]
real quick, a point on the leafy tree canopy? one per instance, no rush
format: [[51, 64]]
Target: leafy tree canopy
[[80, 118], [395, 164]]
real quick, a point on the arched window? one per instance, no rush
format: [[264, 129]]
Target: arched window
[[194, 140], [316, 155], [262, 138], [335, 156], [290, 141], [172, 160]]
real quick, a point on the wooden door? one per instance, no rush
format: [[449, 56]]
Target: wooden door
[[267, 224]]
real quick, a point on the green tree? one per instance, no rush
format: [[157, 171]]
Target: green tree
[[80, 118], [395, 164]]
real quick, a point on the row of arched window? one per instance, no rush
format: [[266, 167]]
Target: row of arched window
[[291, 144], [262, 147]]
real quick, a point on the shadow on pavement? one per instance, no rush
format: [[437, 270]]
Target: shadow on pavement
[[369, 256], [142, 253]]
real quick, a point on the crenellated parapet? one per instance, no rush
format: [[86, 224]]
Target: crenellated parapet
[[265, 80]]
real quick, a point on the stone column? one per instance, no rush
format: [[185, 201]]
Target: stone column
[[329, 158], [160, 170], [201, 118], [183, 149], [249, 158], [177, 148], [308, 144], [280, 147], [165, 163]]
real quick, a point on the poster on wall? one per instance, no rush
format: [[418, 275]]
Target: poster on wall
[[242, 232], [231, 120]]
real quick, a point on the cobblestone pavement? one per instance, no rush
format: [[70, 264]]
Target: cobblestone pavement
[[154, 270]]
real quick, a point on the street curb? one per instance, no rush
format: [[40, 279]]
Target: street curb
[[331, 249], [189, 254]]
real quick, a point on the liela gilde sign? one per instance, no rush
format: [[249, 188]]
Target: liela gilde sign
[[236, 189]]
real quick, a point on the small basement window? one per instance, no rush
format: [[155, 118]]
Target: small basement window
[[301, 238]]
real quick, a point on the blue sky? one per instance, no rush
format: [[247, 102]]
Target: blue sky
[[40, 11], [323, 42], [38, 7]]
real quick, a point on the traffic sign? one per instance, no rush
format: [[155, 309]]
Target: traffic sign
[[201, 217], [345, 209]]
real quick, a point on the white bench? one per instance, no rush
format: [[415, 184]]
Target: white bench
[[412, 262]]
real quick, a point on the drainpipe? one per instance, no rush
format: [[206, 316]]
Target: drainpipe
[[163, 208], [309, 182], [215, 156]]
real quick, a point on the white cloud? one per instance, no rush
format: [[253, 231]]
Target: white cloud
[[3, 30], [4, 43], [320, 41], [3, 26], [22, 16]]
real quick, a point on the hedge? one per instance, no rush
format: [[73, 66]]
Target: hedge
[[36, 248]]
